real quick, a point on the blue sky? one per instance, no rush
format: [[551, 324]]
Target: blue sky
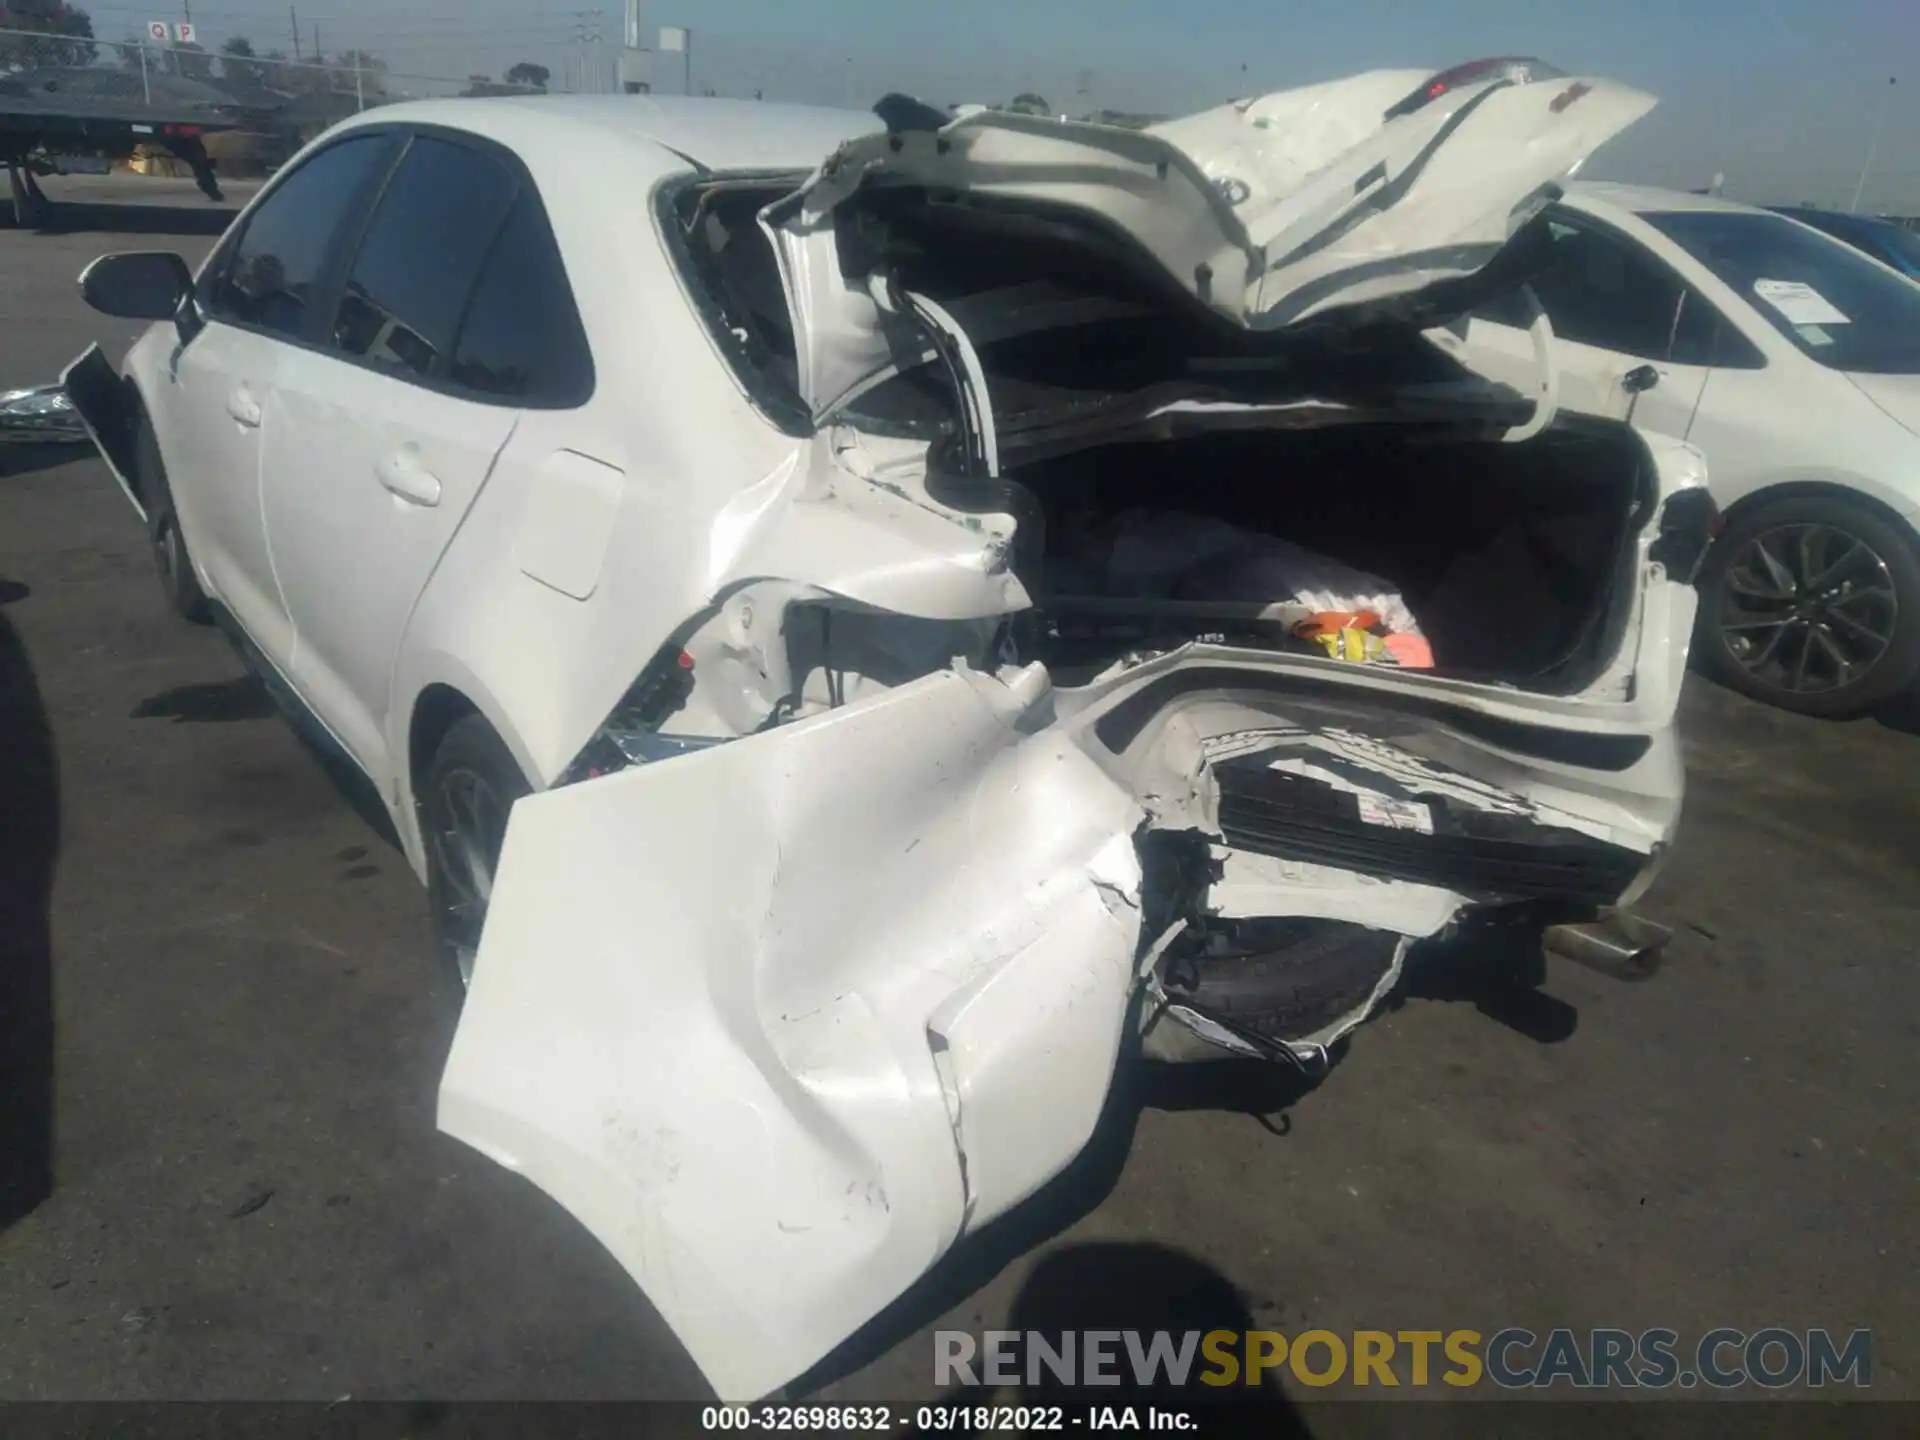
[[1779, 95]]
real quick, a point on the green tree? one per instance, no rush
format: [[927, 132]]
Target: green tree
[[273, 70], [68, 31], [190, 61], [1028, 103], [528, 73], [370, 80], [238, 62]]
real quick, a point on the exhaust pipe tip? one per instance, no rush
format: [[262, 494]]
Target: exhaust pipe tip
[[1617, 943]]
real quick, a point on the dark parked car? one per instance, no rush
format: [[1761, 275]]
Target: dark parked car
[[1885, 241]]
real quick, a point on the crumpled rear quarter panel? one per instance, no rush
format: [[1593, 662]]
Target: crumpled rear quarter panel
[[701, 1013]]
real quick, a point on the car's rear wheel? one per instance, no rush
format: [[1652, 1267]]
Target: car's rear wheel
[[170, 557], [1813, 604], [466, 795]]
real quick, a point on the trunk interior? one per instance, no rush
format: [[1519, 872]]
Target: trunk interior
[[1516, 561]]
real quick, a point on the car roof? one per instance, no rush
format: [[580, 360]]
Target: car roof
[[715, 134], [1643, 199]]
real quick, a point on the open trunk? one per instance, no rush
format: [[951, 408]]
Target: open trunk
[[1149, 639], [1517, 562]]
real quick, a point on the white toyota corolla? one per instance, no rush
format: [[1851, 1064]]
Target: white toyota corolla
[[1793, 361], [947, 603]]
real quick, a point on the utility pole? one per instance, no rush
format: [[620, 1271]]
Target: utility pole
[[1873, 144], [293, 17], [633, 76], [580, 50]]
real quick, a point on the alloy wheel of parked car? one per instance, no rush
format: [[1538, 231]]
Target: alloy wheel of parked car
[[468, 793], [1811, 605]]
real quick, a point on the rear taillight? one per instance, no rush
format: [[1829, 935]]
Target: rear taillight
[[1515, 69]]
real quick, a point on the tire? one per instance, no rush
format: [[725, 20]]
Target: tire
[[465, 797], [1289, 978], [170, 557], [1812, 604]]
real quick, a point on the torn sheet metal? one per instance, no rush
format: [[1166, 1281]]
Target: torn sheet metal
[[100, 403], [852, 514], [770, 1019]]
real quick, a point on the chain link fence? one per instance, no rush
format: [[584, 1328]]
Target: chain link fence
[[51, 66], [268, 104]]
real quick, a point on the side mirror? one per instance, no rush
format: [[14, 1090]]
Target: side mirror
[[138, 285]]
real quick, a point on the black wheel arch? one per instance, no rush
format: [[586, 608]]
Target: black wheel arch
[[1817, 490], [436, 710]]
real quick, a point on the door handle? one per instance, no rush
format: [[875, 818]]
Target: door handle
[[243, 407], [404, 475]]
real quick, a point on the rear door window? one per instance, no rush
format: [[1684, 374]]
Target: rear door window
[[522, 339], [1603, 291], [430, 234], [275, 269]]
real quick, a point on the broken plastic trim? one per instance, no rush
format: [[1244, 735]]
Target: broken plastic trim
[[629, 735], [1689, 524]]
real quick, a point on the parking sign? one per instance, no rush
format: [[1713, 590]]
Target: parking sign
[[183, 33]]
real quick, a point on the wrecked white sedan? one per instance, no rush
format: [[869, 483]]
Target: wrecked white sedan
[[948, 612]]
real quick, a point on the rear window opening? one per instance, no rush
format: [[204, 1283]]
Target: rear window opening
[[1389, 494], [713, 232], [978, 259]]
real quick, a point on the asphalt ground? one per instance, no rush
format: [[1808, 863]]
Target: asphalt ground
[[219, 1175]]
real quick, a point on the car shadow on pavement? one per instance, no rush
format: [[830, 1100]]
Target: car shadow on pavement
[[1497, 968], [1902, 713], [29, 847], [215, 701], [25, 457], [248, 697], [1144, 1288], [84, 217]]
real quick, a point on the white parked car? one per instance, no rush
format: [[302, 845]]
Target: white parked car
[[887, 574], [1792, 361]]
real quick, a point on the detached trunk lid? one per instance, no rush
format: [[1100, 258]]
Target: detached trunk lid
[[1359, 200]]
